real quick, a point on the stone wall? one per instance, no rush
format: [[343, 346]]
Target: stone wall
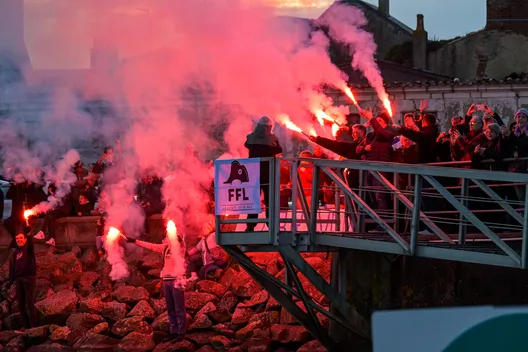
[[491, 53], [446, 100]]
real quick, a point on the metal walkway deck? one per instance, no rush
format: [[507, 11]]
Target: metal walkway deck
[[467, 213]]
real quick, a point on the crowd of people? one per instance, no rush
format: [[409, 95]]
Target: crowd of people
[[473, 139]]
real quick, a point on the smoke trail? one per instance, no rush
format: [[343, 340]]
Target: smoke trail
[[115, 254], [345, 24], [62, 176]]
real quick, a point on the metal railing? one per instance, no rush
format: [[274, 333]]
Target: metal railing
[[450, 203]]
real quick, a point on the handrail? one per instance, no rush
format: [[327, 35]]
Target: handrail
[[469, 162], [421, 169]]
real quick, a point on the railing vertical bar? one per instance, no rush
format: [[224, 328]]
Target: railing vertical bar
[[462, 227], [315, 202], [415, 222], [395, 202], [294, 198], [362, 195], [272, 201], [524, 254]]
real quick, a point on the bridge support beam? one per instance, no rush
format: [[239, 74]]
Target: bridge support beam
[[284, 295]]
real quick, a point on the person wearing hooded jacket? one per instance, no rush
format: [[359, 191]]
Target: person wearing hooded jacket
[[262, 143], [174, 296], [23, 273]]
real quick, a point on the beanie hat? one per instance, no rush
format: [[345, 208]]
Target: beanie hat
[[265, 121], [522, 111], [495, 128]]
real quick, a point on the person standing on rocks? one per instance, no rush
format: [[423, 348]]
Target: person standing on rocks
[[23, 273], [174, 295]]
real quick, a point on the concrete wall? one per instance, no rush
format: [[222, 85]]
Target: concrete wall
[[446, 100], [386, 33], [493, 54], [507, 15]]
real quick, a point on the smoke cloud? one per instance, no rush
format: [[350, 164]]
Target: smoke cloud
[[189, 79]]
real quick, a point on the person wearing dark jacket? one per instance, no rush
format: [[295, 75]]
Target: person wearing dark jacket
[[23, 273], [377, 148], [495, 148], [517, 140], [425, 138], [262, 143], [65, 209]]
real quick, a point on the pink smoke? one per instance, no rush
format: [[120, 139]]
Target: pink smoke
[[346, 24]]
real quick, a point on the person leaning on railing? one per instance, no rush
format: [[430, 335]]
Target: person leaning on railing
[[518, 143]]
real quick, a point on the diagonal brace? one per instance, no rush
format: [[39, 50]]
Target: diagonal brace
[[366, 208], [405, 201], [473, 219], [493, 195], [255, 272], [359, 324]]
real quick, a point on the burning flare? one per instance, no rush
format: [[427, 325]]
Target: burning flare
[[28, 213], [349, 94], [387, 105], [321, 116], [172, 231], [335, 128], [312, 132], [113, 235]]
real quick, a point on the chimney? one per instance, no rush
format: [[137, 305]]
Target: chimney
[[509, 15], [383, 7], [420, 44]]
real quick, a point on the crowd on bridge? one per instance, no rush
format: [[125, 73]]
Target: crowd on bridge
[[479, 140]]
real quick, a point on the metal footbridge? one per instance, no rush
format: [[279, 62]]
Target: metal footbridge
[[440, 212]]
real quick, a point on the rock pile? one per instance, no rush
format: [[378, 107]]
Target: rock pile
[[81, 309]]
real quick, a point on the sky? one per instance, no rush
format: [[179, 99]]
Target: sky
[[48, 20]]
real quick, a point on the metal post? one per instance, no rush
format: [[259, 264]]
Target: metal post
[[395, 202], [362, 195], [524, 258], [462, 227], [339, 282], [217, 229], [294, 198], [315, 202], [271, 205], [415, 222], [275, 210]]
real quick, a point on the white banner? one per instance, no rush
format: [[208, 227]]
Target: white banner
[[237, 186]]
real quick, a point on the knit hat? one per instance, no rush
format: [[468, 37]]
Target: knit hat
[[495, 128], [522, 111], [265, 121]]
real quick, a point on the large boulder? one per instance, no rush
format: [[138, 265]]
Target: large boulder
[[201, 337], [161, 323], [222, 329], [92, 304], [201, 322], [84, 320], [88, 278], [95, 342], [12, 322], [221, 315], [209, 307], [194, 301], [312, 346], [244, 286], [289, 333], [60, 334], [50, 347], [17, 344], [58, 307], [136, 341], [172, 346], [143, 309], [114, 310], [7, 335], [211, 287], [35, 336], [159, 305], [247, 331], [152, 260], [265, 319], [220, 342], [259, 299], [229, 302], [130, 295], [125, 326], [241, 315]]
